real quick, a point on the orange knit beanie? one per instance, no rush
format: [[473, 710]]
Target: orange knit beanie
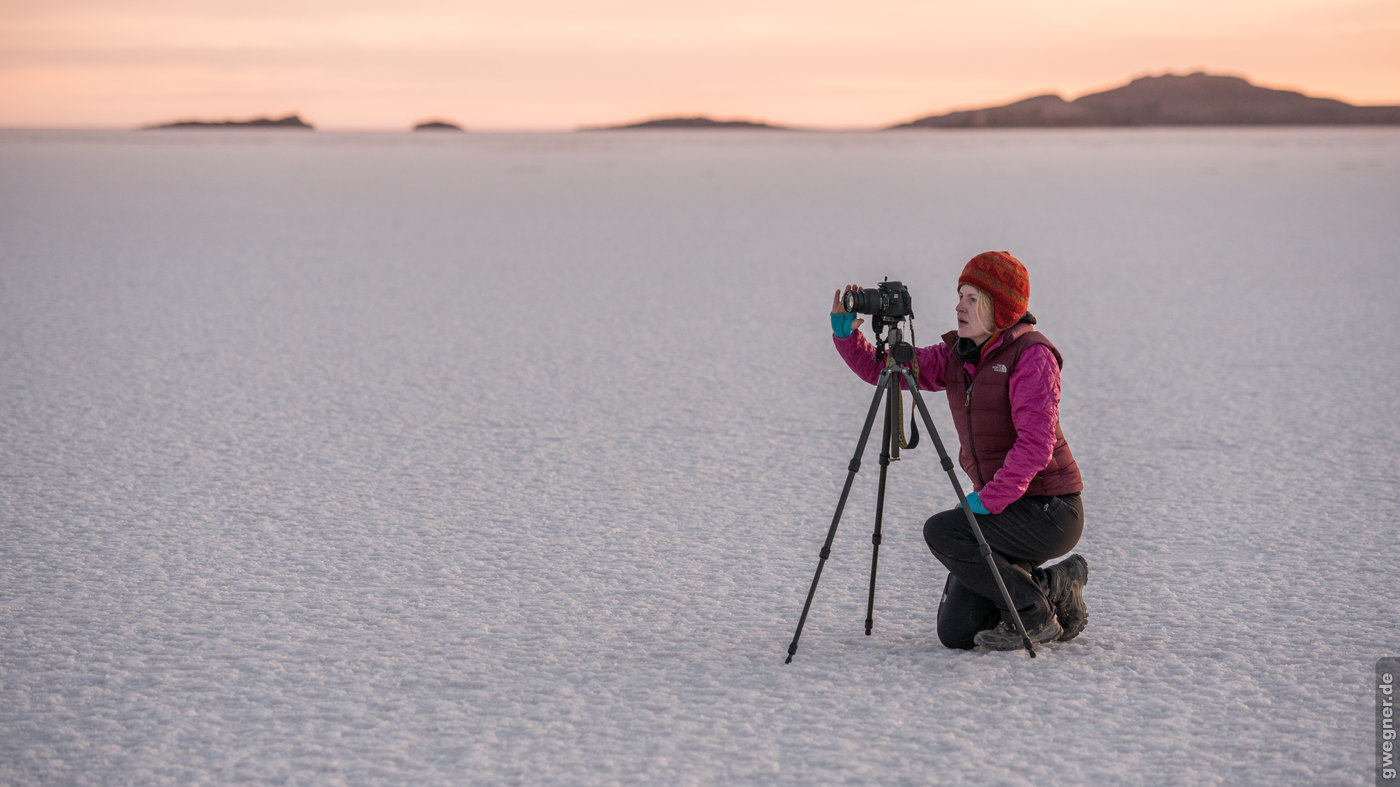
[[1003, 277]]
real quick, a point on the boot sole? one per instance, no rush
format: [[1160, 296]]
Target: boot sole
[[994, 639]]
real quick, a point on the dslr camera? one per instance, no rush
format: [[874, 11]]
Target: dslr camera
[[887, 305], [889, 302]]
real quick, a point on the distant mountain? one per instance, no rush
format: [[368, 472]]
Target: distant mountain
[[687, 122], [290, 121], [437, 125], [1195, 100]]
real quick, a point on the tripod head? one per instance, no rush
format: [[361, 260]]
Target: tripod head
[[889, 340]]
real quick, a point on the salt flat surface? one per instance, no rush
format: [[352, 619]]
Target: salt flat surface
[[379, 458]]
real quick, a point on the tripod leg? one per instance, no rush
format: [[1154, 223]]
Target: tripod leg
[[983, 549], [885, 451], [887, 378]]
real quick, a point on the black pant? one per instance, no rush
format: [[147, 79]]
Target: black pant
[[1029, 532]]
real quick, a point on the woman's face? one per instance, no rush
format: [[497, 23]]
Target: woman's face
[[971, 324]]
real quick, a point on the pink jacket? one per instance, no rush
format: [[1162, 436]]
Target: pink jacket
[[1035, 406]]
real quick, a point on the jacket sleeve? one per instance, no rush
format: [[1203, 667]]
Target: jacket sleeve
[[1035, 409], [859, 354]]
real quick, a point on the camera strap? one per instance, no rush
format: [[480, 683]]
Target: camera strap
[[913, 419], [913, 416]]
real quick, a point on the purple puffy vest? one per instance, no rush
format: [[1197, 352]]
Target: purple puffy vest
[[981, 409]]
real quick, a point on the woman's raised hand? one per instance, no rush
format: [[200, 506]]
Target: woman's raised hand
[[839, 307]]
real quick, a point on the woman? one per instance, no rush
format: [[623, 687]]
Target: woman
[[1003, 383]]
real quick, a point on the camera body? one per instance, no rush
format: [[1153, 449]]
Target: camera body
[[889, 302]]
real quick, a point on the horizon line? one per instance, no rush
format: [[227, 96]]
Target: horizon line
[[772, 125]]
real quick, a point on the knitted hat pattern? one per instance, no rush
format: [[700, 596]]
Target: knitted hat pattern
[[1003, 277]]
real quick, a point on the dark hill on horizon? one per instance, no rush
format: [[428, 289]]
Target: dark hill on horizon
[[1194, 100], [687, 123], [437, 125], [288, 122]]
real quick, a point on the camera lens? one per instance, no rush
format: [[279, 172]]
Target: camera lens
[[861, 301]]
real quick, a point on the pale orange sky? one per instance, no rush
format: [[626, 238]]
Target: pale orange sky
[[553, 64]]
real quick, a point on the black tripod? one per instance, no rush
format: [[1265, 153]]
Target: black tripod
[[888, 386]]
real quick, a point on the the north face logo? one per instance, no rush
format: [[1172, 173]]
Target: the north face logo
[[999, 367]]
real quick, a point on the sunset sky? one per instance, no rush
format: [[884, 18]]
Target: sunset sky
[[554, 64]]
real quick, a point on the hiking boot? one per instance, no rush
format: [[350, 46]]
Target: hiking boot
[[1066, 592], [1006, 637]]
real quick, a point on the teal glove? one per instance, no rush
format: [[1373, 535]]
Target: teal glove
[[841, 324], [974, 502]]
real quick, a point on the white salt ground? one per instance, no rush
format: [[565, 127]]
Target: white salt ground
[[506, 459]]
